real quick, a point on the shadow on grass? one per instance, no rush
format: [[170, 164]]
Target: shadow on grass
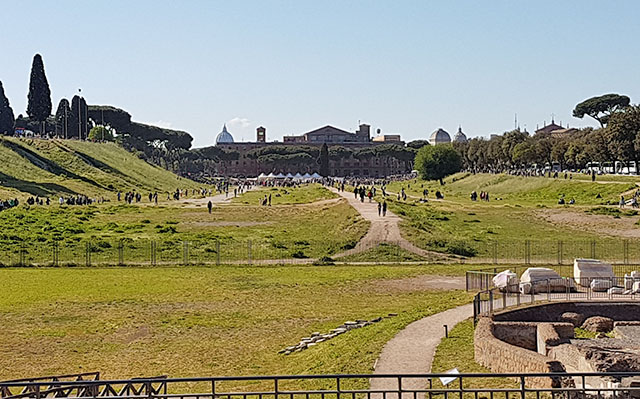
[[46, 164], [33, 188]]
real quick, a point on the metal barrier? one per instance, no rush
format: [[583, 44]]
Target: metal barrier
[[482, 279], [340, 386], [559, 289]]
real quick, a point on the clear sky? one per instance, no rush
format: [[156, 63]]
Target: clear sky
[[405, 67]]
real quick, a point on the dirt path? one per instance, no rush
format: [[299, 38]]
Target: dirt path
[[382, 229], [411, 351]]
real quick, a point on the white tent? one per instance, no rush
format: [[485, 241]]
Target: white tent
[[279, 176], [271, 175], [315, 176], [262, 176], [297, 176], [289, 175], [306, 176]]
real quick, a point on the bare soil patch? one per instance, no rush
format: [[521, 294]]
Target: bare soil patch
[[624, 226], [229, 223], [422, 283]]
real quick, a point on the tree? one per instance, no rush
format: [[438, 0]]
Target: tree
[[323, 160], [78, 122], [436, 162], [39, 97], [100, 133], [602, 107], [7, 119], [62, 118], [623, 134], [417, 144]]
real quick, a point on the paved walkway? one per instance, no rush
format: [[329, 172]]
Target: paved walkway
[[411, 351], [382, 229]]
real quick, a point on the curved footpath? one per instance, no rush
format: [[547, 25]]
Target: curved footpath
[[382, 229], [411, 351]]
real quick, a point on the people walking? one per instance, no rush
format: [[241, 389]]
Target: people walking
[[379, 209], [384, 209], [209, 206]]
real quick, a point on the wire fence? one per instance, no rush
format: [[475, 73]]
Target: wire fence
[[126, 251]]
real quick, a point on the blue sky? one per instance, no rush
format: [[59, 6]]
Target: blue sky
[[405, 67]]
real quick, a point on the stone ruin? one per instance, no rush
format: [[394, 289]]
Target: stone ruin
[[541, 339], [316, 337]]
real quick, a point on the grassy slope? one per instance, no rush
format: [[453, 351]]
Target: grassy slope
[[201, 321], [457, 224], [54, 167], [286, 195]]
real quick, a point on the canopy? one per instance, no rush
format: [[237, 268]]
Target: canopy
[[279, 176], [297, 176], [271, 175], [306, 176], [262, 176], [289, 175], [315, 175]]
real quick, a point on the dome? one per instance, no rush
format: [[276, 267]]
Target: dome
[[224, 136], [440, 136], [460, 137]]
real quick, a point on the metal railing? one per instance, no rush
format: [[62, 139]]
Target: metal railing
[[486, 302], [482, 279], [341, 386]]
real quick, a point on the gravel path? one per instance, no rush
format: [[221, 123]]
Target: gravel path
[[382, 229], [411, 351]]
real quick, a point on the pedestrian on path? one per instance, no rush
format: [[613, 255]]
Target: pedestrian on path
[[379, 209], [384, 209], [209, 206]]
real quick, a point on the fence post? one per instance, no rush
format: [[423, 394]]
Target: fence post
[[490, 302], [120, 252], [55, 253], [560, 252], [495, 253], [87, 246], [626, 252], [152, 251], [527, 252], [249, 250], [185, 252]]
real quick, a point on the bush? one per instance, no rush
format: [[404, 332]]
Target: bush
[[298, 255], [461, 248]]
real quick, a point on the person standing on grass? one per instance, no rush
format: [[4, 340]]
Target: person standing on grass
[[622, 201], [379, 209], [209, 206], [384, 208], [269, 199]]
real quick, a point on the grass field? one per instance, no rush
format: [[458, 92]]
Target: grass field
[[518, 211], [67, 167], [287, 195], [457, 352], [235, 231], [131, 322]]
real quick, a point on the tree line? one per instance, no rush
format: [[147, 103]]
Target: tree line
[[618, 139]]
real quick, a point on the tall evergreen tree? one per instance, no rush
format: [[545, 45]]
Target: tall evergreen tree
[[62, 118], [7, 119], [39, 98], [323, 160], [78, 123]]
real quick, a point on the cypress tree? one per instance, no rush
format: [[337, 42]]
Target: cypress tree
[[7, 120], [62, 125], [323, 160], [78, 123], [39, 98]]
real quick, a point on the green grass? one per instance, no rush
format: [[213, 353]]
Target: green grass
[[67, 167], [287, 195], [131, 322], [460, 226], [229, 233], [457, 352]]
